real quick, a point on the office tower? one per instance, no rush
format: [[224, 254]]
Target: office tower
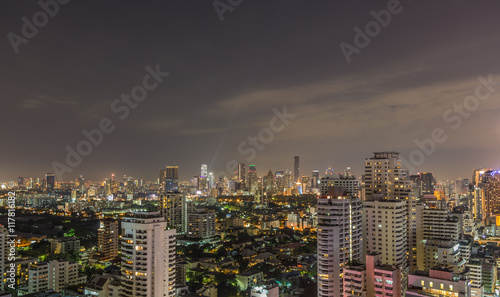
[[64, 245], [201, 224], [269, 182], [173, 208], [148, 256], [476, 189], [54, 275], [210, 180], [339, 240], [204, 170], [20, 182], [385, 226], [107, 239], [349, 183], [241, 175], [490, 192], [415, 231], [466, 224], [252, 179], [50, 180], [437, 282], [281, 181], [372, 279], [385, 178], [296, 169], [315, 179], [169, 178], [425, 182]]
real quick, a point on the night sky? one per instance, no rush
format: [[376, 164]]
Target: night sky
[[226, 77]]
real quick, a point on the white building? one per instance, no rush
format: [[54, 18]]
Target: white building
[[54, 275], [385, 178], [148, 256], [265, 291], [349, 183], [339, 241], [437, 223], [385, 226], [201, 224]]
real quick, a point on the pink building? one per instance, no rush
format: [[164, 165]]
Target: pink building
[[372, 279]]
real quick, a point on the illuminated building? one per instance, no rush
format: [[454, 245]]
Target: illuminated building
[[169, 178], [350, 184], [204, 170], [315, 179], [271, 290], [385, 178], [436, 282], [339, 240], [148, 256], [54, 275], [64, 245], [241, 176], [253, 180], [20, 182], [385, 226], [50, 180], [490, 192], [372, 279], [201, 224], [107, 239], [296, 169], [173, 208]]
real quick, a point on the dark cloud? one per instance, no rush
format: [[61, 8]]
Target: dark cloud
[[226, 77]]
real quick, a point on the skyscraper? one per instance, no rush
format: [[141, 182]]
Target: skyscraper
[[169, 178], [204, 170], [241, 175], [20, 182], [50, 180], [385, 227], [384, 178], [339, 241], [107, 239], [173, 208], [296, 170], [315, 179], [148, 256], [253, 180]]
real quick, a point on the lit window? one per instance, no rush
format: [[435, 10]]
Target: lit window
[[430, 284]]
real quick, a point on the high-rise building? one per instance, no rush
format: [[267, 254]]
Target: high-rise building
[[425, 182], [54, 275], [350, 184], [148, 256], [20, 182], [339, 241], [201, 224], [253, 180], [490, 192], [169, 178], [438, 223], [385, 226], [241, 175], [107, 239], [296, 169], [315, 179], [173, 208], [204, 170], [50, 180], [385, 178]]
